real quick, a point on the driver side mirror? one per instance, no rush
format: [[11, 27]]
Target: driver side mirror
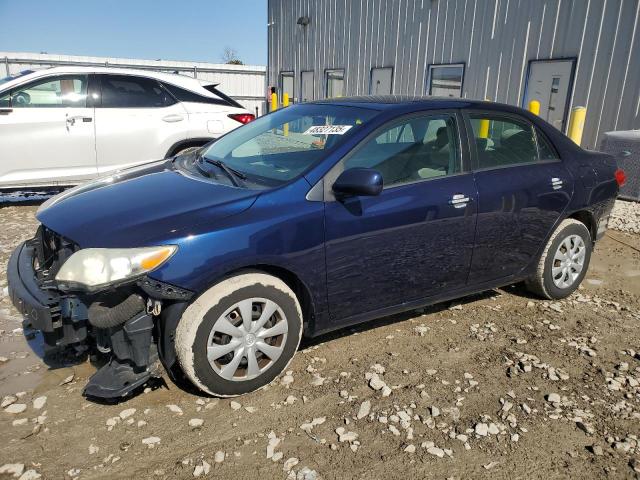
[[358, 182]]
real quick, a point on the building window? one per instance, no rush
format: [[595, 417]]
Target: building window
[[335, 83], [445, 80], [286, 85]]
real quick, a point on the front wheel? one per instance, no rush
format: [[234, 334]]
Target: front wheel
[[564, 261], [239, 335]]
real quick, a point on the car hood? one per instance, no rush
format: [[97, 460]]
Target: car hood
[[135, 206]]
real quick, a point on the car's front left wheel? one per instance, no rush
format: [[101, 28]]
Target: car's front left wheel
[[240, 334]]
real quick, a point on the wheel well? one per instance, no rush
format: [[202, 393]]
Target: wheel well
[[197, 142], [589, 221], [298, 287]]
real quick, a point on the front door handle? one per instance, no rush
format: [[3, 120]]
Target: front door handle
[[72, 120], [5, 111], [459, 200], [173, 118], [556, 183]]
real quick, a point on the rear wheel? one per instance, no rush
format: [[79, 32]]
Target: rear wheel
[[564, 261], [240, 334]]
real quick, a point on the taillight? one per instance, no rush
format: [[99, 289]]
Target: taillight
[[620, 177], [243, 118]]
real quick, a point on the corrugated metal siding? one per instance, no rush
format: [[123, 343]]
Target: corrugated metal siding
[[246, 83], [494, 38]]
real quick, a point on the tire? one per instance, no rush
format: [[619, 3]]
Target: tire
[[204, 327], [574, 234]]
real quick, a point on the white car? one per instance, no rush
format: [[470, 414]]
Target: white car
[[63, 125]]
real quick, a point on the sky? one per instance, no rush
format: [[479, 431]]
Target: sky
[[190, 30]]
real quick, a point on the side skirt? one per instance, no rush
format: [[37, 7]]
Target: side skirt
[[423, 302]]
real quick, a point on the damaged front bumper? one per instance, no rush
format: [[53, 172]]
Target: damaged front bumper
[[137, 331]]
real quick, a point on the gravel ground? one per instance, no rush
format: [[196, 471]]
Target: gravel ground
[[625, 217], [498, 385]]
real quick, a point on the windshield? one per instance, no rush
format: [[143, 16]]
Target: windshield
[[280, 146]]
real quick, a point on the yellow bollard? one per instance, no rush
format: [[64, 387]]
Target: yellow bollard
[[274, 102], [483, 131], [285, 103], [534, 107], [576, 124]]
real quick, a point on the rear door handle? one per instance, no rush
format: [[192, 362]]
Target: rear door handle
[[5, 111], [459, 200], [556, 183], [173, 118]]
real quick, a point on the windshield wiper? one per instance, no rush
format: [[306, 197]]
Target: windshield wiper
[[232, 173]]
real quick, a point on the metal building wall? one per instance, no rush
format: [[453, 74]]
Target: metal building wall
[[494, 38], [245, 83]]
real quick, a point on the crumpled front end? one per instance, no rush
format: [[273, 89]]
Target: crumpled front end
[[120, 323]]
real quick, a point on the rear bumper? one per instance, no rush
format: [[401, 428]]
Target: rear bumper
[[62, 319]]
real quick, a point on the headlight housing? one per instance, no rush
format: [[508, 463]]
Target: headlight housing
[[93, 268]]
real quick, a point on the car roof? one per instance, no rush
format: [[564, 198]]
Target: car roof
[[178, 80], [390, 102]]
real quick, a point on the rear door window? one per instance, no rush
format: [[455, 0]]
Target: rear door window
[[503, 141], [545, 149], [128, 91]]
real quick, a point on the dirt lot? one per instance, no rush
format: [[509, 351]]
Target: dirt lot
[[499, 385]]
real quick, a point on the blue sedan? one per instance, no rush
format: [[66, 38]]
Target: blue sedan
[[309, 219]]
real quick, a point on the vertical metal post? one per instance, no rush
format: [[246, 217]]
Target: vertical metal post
[[274, 102]]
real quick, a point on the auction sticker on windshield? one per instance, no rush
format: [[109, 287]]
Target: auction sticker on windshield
[[328, 130]]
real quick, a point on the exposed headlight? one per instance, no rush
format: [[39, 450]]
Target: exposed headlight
[[97, 267]]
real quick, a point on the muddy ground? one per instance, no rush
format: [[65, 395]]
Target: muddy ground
[[498, 385]]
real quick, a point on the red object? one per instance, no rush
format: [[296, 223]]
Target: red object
[[620, 177], [243, 118]]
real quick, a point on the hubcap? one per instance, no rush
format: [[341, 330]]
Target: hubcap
[[247, 339], [568, 261]]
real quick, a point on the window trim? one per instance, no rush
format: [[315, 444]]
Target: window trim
[[327, 71], [389, 67], [49, 78], [287, 73], [430, 68], [475, 157], [331, 176]]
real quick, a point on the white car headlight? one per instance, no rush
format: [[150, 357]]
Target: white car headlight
[[96, 267]]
